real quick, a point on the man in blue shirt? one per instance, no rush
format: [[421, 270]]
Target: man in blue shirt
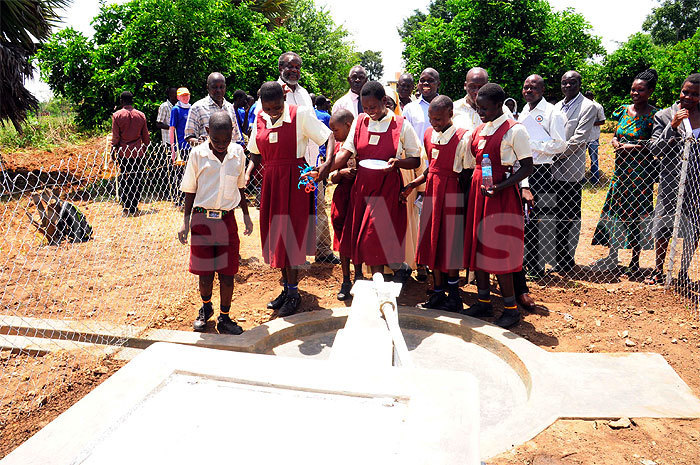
[[323, 116]]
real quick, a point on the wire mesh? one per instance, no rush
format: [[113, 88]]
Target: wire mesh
[[130, 266]]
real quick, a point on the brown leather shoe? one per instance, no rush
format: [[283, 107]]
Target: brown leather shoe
[[527, 302]]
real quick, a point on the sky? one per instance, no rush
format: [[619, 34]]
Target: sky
[[612, 20]]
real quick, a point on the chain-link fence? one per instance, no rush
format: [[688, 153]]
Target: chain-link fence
[[85, 253]]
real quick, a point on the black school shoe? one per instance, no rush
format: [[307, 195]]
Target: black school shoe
[[479, 309], [290, 306], [436, 301], [200, 324], [329, 259], [509, 318], [453, 303], [225, 325], [277, 302], [344, 293]]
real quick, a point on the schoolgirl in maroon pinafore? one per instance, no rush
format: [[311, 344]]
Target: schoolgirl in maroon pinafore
[[494, 225], [377, 221], [340, 204], [287, 224], [441, 242]]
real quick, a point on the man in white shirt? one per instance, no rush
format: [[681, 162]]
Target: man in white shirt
[[593, 142], [547, 130], [357, 77], [417, 112], [465, 112], [289, 64]]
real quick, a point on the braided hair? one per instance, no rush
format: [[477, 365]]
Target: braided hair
[[650, 76]]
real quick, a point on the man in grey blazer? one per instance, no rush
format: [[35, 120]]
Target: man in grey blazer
[[569, 168]]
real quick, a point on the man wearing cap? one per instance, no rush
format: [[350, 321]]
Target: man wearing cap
[[180, 149]]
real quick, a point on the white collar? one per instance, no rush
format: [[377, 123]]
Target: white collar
[[446, 135], [389, 116], [285, 118], [230, 153], [495, 124]]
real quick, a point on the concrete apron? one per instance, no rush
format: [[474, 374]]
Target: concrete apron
[[538, 386]]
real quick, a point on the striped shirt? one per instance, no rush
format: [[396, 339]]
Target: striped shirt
[[201, 111]]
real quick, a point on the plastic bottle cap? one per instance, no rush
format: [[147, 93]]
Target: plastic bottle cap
[[486, 155]]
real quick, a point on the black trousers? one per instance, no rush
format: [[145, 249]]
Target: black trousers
[[544, 190], [567, 214], [129, 181]]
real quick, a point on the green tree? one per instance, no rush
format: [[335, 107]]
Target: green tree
[[145, 46], [324, 47], [612, 79], [372, 62], [22, 22], [673, 21], [511, 39]]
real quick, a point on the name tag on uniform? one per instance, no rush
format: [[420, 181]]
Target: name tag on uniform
[[482, 144], [434, 153], [374, 139], [273, 138]]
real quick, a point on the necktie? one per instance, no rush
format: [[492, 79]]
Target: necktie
[[359, 106]]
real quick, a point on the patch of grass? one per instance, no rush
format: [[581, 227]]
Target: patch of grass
[[51, 126]]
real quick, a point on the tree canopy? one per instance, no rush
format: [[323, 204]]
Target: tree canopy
[[511, 39], [145, 46], [22, 22], [673, 21], [372, 62]]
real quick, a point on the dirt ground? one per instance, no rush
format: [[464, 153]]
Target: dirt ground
[[134, 272]]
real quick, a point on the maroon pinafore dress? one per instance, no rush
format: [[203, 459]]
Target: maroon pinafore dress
[[493, 239], [287, 223], [340, 204], [441, 243], [375, 228]]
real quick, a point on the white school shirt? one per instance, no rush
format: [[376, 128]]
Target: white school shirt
[[416, 113], [348, 102], [408, 140], [464, 116], [309, 129], [514, 146], [553, 122], [461, 154], [215, 183]]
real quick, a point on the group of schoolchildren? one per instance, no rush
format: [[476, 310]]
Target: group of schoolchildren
[[466, 222]]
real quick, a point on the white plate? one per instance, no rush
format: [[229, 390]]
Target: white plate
[[374, 164]]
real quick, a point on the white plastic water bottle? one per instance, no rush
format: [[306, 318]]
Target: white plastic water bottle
[[486, 172]]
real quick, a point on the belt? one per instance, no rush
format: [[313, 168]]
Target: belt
[[212, 214]]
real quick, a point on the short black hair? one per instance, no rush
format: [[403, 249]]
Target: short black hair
[[650, 76], [588, 94], [271, 91], [126, 97], [693, 79], [167, 92], [373, 89], [343, 115], [220, 120], [441, 102], [321, 101], [492, 92], [239, 94]]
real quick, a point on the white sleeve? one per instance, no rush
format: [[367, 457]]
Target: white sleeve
[[409, 141], [349, 143], [468, 162], [557, 131], [521, 142], [311, 127], [252, 142], [241, 157], [189, 179]]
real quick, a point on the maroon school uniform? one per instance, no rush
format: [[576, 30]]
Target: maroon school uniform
[[340, 204], [441, 242], [287, 229], [494, 225], [376, 222]]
